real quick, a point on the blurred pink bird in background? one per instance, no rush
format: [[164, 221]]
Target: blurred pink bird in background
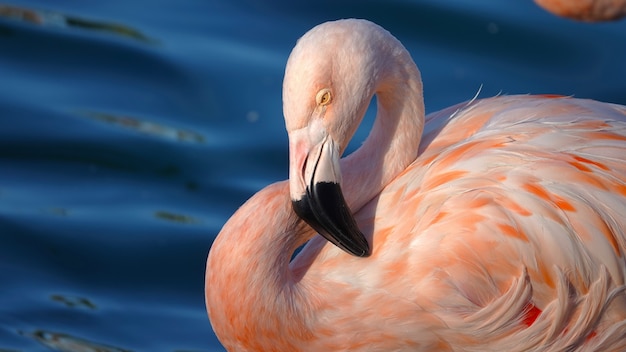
[[586, 10], [497, 224]]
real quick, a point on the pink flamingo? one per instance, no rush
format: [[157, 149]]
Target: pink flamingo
[[586, 10], [503, 228]]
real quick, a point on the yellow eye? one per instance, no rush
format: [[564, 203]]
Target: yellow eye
[[323, 97]]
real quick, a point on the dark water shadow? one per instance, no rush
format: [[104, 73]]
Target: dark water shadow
[[68, 343], [59, 20]]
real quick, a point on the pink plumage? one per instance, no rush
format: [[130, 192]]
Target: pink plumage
[[586, 10], [496, 224]]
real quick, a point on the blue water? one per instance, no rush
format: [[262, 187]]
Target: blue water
[[131, 130]]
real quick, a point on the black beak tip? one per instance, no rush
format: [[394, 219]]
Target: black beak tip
[[365, 253], [326, 211]]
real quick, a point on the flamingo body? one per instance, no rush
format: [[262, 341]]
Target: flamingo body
[[586, 10], [505, 231]]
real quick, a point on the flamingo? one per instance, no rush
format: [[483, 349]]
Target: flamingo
[[586, 10], [493, 225]]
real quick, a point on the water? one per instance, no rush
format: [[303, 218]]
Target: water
[[130, 131]]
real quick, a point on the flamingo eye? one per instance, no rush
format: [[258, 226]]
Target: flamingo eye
[[323, 97]]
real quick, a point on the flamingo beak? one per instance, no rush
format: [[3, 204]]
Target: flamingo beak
[[316, 196]]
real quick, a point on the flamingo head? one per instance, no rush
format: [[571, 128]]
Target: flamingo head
[[330, 79]]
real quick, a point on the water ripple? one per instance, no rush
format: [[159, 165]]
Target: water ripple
[[68, 343], [60, 20]]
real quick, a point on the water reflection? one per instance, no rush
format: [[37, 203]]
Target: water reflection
[[147, 127], [180, 218], [56, 211], [57, 19], [67, 343], [73, 301]]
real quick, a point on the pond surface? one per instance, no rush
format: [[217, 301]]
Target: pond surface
[[131, 130]]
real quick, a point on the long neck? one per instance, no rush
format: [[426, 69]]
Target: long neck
[[394, 140], [250, 291]]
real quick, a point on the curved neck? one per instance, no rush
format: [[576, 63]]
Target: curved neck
[[249, 289], [394, 140]]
